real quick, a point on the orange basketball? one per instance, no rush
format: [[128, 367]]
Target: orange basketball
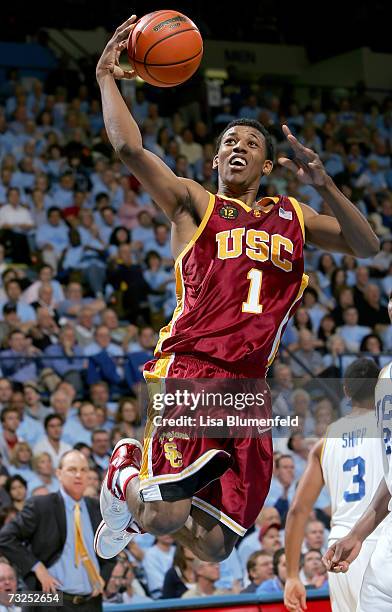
[[165, 48]]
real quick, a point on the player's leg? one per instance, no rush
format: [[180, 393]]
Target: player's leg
[[376, 591], [207, 537]]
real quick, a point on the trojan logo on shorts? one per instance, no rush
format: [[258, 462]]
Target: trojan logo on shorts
[[228, 212], [172, 22], [173, 455]]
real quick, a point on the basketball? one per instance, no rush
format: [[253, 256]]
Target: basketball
[[165, 48]]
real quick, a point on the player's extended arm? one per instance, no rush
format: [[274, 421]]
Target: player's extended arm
[[167, 190], [306, 494], [349, 232], [339, 556]]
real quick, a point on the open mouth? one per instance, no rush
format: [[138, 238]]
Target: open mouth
[[238, 162]]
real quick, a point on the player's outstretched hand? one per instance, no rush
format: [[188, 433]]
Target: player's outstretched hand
[[306, 165], [294, 595], [109, 62], [339, 556]]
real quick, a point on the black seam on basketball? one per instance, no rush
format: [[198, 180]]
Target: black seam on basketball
[[188, 59], [154, 14], [166, 38], [168, 83]]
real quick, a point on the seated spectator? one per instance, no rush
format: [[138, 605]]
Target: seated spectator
[[131, 289], [45, 277], [66, 358], [313, 574], [100, 450], [5, 392], [181, 576], [85, 327], [136, 359], [144, 231], [251, 542], [120, 235], [157, 278], [80, 429], [52, 238], [16, 487], [326, 330], [207, 573], [46, 300], [128, 418], [45, 332], [10, 322], [13, 292], [306, 355], [33, 408], [132, 594], [20, 461], [74, 302], [270, 538], [61, 402], [372, 313], [161, 245], [157, 561], [43, 474], [260, 568], [8, 583], [276, 584], [15, 223], [51, 443], [10, 422], [314, 537], [104, 362], [99, 396], [373, 346], [299, 449], [351, 332], [282, 486]]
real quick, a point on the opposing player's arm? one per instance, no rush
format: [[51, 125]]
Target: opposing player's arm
[[168, 191], [307, 492]]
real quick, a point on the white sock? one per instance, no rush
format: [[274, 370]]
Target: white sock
[[123, 477]]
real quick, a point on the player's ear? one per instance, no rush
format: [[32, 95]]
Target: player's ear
[[215, 162], [267, 167]]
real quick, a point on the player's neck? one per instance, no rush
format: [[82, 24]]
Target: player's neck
[[361, 409], [248, 197]]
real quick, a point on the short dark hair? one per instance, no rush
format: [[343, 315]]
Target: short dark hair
[[16, 478], [8, 410], [99, 431], [360, 379], [269, 147], [252, 560], [279, 459], [52, 417]]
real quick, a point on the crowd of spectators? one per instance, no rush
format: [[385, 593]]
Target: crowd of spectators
[[86, 281]]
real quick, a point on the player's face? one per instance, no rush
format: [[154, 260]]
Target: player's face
[[241, 159]]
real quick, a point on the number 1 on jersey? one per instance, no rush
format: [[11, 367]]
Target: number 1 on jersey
[[252, 304]]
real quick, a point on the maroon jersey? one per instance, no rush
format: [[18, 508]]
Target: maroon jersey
[[238, 282]]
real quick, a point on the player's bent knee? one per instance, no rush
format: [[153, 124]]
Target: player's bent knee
[[161, 518], [216, 550]]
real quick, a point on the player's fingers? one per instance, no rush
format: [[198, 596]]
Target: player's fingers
[[303, 602], [288, 163], [126, 23]]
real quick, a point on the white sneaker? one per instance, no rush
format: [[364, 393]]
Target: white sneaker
[[109, 543], [114, 507]]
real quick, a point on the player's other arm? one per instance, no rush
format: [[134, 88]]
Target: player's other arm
[[347, 232], [168, 191], [339, 556], [306, 494]]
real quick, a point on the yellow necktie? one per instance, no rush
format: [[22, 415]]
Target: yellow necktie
[[82, 555]]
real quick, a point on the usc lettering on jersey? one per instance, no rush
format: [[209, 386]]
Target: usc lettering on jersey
[[237, 283]]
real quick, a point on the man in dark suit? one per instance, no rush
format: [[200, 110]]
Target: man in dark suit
[[51, 540]]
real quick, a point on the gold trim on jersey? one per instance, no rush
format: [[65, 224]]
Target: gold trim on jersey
[[323, 447], [219, 515], [155, 384], [166, 331], [297, 207], [199, 230], [275, 346], [245, 206]]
